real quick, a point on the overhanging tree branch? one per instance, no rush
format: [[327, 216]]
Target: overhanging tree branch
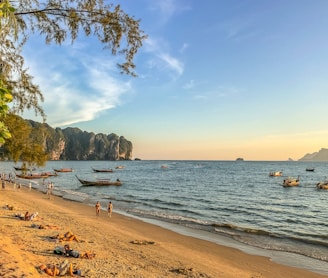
[[57, 20]]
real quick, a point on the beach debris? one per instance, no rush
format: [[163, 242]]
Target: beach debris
[[46, 227], [184, 271], [189, 272], [142, 242]]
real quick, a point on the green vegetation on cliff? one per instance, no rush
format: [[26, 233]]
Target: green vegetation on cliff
[[67, 144]]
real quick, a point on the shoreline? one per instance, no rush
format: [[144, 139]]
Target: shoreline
[[279, 257], [124, 246]]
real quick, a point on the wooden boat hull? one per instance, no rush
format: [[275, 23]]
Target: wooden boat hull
[[291, 182], [322, 185], [64, 170], [24, 169], [50, 174], [275, 174], [309, 169], [32, 177], [99, 182], [102, 170]]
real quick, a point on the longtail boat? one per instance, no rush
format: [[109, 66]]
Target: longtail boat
[[103, 170], [63, 170], [32, 176], [99, 182]]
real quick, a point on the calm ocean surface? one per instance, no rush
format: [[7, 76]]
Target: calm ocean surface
[[234, 199]]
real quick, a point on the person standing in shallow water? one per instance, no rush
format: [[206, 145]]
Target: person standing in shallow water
[[97, 208], [110, 209]]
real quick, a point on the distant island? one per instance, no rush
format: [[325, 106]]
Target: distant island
[[321, 155]]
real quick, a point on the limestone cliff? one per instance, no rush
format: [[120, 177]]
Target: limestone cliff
[[321, 155], [75, 144]]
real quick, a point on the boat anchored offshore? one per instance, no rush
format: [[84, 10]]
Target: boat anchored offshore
[[289, 182], [275, 174], [63, 170], [99, 182], [322, 185], [309, 169], [110, 170], [32, 176]]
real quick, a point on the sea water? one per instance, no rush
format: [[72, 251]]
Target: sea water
[[235, 201]]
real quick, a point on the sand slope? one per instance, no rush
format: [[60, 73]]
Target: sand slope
[[124, 247]]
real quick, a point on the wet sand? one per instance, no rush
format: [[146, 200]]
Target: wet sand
[[123, 246]]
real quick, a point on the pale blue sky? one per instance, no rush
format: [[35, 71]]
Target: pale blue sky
[[216, 80]]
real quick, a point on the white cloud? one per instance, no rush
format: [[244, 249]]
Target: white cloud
[[168, 8], [78, 92], [154, 45], [161, 59], [239, 29], [200, 97], [172, 63], [211, 94], [183, 48], [189, 85]]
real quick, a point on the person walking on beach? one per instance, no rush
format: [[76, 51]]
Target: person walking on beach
[[97, 208], [29, 186], [51, 187], [49, 190], [110, 209]]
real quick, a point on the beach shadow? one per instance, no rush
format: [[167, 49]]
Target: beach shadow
[[9, 217], [142, 242], [184, 271], [189, 272], [49, 239], [44, 253]]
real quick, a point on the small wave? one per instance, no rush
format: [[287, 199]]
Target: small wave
[[179, 219], [313, 248], [315, 241], [241, 229], [72, 195]]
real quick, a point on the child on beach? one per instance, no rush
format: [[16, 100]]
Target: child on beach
[[97, 208]]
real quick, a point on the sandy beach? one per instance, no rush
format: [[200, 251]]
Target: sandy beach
[[123, 246]]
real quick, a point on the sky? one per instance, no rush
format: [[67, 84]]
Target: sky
[[217, 80]]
